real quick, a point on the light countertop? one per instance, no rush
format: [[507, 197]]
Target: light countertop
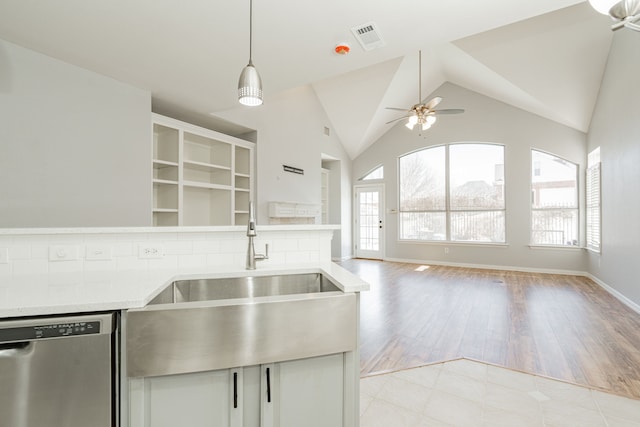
[[60, 293], [160, 230]]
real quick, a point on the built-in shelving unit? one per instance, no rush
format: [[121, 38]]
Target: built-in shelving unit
[[200, 176]]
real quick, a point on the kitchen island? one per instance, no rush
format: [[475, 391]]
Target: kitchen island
[[63, 271]]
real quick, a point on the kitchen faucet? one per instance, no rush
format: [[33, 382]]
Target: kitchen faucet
[[252, 257]]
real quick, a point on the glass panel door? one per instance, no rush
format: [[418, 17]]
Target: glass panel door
[[368, 210]]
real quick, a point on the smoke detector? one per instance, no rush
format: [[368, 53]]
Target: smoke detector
[[342, 48]]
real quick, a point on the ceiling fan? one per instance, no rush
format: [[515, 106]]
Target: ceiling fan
[[423, 114]]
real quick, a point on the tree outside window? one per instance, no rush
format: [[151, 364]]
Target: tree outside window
[[453, 193]]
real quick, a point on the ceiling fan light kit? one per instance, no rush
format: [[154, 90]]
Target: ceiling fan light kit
[[250, 83], [626, 13], [423, 114]]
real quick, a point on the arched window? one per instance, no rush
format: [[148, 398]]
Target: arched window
[[554, 200], [453, 193], [375, 173]]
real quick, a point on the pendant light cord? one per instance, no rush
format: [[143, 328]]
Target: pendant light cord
[[250, 30]]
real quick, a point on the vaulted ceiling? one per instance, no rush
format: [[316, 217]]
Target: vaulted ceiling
[[544, 56]]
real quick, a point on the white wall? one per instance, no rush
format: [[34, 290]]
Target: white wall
[[615, 127], [290, 128], [74, 145], [484, 120]]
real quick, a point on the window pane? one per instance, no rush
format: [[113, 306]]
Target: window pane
[[553, 182], [422, 180], [474, 226], [369, 218], [423, 225], [476, 174], [555, 227], [377, 173]]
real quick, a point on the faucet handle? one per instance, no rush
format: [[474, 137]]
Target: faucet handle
[[260, 257]]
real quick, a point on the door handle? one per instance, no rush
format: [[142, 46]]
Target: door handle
[[235, 390], [16, 348]]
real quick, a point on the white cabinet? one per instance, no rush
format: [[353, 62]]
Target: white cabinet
[[307, 392], [196, 400], [200, 177]]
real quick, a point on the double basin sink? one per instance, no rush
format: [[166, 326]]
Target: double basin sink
[[218, 323]]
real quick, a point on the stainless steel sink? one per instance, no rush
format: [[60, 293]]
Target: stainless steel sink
[[244, 287], [208, 324]]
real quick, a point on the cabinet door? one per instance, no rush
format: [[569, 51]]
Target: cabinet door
[[306, 392], [250, 397], [202, 399]]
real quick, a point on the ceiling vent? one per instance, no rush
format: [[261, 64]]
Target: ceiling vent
[[368, 35]]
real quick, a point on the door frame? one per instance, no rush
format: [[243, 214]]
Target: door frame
[[381, 214]]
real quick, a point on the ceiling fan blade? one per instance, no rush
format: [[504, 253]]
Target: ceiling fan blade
[[399, 118], [448, 111], [397, 109], [433, 102]]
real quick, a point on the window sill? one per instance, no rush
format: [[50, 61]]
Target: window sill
[[557, 247], [450, 243]]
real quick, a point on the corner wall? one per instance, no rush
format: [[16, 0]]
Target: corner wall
[[615, 127], [485, 120]]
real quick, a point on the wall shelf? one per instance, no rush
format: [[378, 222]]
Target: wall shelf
[[200, 177]]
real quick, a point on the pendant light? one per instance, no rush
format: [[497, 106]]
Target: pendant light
[[250, 83]]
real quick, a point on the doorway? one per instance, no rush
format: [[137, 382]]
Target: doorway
[[369, 209]]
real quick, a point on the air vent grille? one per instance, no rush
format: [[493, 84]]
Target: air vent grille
[[368, 36]]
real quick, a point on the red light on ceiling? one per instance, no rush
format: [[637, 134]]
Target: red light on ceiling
[[342, 48]]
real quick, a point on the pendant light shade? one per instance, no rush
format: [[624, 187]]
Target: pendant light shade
[[250, 83], [250, 86]]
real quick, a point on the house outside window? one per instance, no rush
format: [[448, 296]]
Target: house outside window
[[453, 193], [554, 200]]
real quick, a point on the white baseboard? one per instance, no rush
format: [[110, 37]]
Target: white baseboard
[[626, 301]]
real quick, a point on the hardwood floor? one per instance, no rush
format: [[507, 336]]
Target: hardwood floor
[[564, 327]]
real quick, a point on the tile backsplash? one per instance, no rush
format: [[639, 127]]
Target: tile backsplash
[[146, 249]]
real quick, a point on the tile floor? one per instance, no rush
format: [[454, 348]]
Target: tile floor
[[464, 393]]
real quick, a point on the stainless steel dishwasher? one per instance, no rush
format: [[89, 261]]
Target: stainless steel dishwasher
[[58, 371]]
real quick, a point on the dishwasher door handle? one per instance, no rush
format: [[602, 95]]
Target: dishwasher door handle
[[14, 349]]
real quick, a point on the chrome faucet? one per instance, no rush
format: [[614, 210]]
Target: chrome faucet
[[252, 257]]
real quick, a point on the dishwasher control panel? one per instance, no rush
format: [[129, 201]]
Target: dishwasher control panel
[[49, 330]]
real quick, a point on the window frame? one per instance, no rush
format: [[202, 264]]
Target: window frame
[[447, 211], [577, 209]]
